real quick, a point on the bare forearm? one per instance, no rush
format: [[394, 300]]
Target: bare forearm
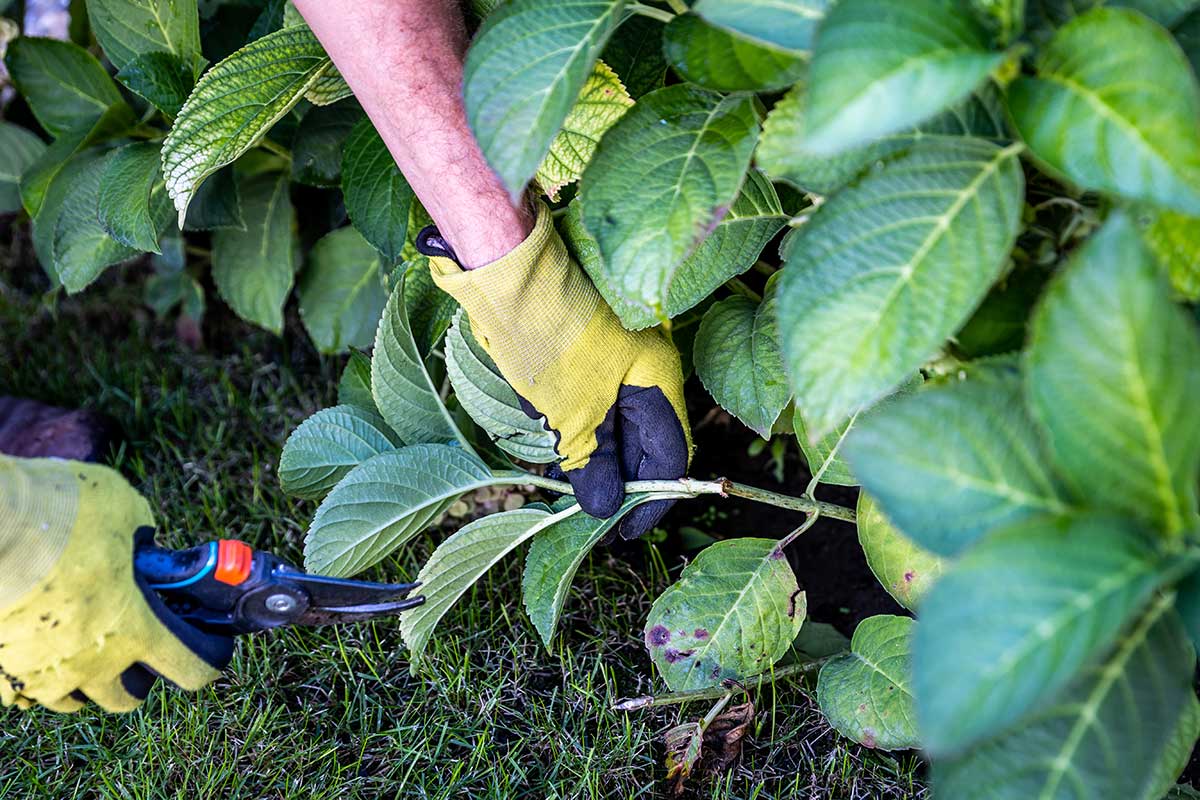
[[403, 59]]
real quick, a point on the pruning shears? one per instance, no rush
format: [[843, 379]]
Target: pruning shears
[[227, 587]]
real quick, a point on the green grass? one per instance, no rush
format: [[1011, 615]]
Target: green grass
[[334, 712]]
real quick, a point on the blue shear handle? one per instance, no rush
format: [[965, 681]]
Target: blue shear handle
[[174, 569]]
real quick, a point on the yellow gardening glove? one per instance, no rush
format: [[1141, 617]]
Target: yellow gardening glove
[[613, 397], [75, 624]]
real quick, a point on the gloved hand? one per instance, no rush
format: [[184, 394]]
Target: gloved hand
[[613, 397], [74, 622]]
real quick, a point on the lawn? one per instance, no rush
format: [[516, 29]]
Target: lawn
[[334, 712]]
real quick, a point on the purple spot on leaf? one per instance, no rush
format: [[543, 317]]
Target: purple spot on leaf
[[700, 633], [672, 655], [657, 636]]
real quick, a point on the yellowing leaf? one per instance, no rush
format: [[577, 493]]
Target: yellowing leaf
[[601, 103]]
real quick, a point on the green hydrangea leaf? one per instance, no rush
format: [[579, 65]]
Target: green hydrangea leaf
[[715, 59], [555, 556], [377, 196], [65, 86], [254, 268], [662, 178], [731, 249], [21, 148], [133, 206], [971, 447], [1114, 108], [635, 54], [386, 500], [783, 152], [67, 234], [881, 67], [342, 292], [737, 358], [329, 444], [904, 568], [127, 29], [354, 387], [234, 105], [1113, 370], [1123, 729], [162, 79], [789, 25], [891, 267], [404, 393], [523, 73], [1023, 612], [320, 143], [463, 559], [490, 401]]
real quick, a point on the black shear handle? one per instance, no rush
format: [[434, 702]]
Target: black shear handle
[[222, 586]]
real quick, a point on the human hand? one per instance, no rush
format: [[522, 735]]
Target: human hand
[[613, 397], [75, 622]]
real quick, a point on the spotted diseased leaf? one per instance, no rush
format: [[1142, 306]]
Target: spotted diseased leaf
[[133, 205], [21, 149], [162, 79], [463, 559], [490, 401], [1123, 729], [253, 268], [386, 500], [1108, 352], [731, 249], [523, 73], [127, 29], [661, 180], [903, 568], [600, 104], [732, 614], [881, 67], [64, 85], [789, 25], [716, 59], [234, 105], [971, 447], [737, 358], [377, 196], [887, 270], [1115, 108], [329, 444], [866, 694], [342, 293]]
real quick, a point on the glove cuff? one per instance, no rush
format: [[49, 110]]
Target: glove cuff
[[531, 303], [38, 503]]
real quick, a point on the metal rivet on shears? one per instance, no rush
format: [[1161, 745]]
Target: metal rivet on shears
[[281, 603]]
